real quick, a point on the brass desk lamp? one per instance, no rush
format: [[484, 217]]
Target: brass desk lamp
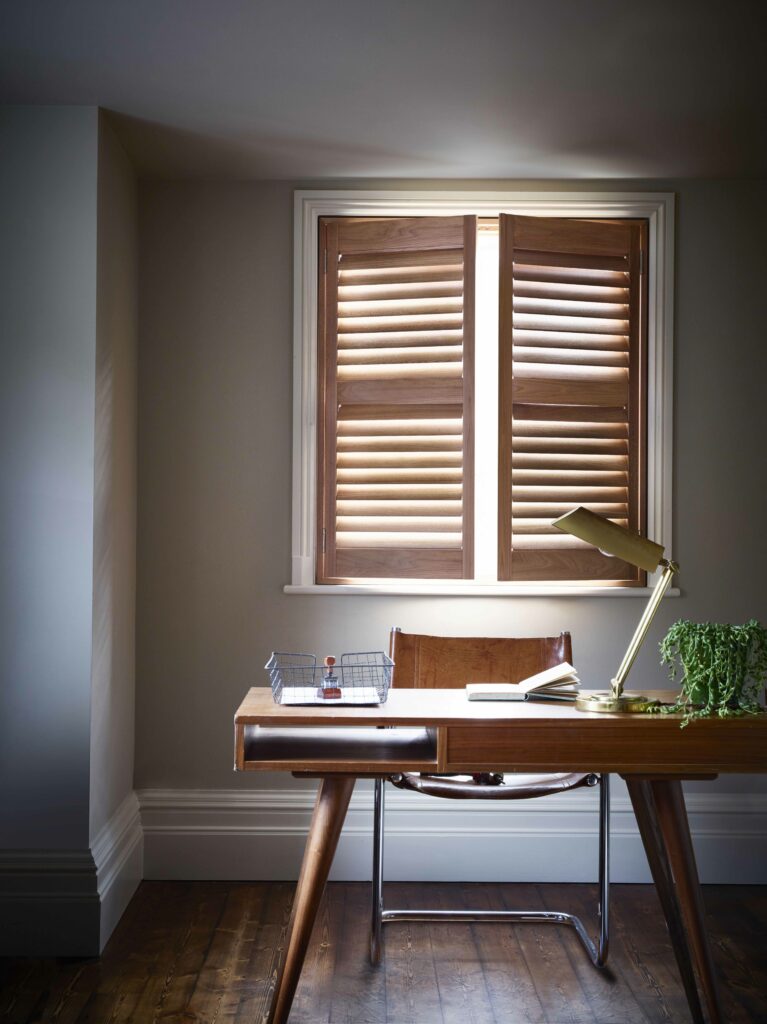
[[615, 540]]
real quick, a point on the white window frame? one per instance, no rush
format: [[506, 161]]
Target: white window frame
[[656, 207]]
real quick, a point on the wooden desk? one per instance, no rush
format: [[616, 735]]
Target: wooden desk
[[441, 731]]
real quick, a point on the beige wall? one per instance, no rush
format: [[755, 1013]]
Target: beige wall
[[114, 522], [214, 467]]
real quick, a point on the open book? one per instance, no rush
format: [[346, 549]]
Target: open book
[[558, 683]]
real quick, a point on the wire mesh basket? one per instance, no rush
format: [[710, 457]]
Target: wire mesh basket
[[359, 678]]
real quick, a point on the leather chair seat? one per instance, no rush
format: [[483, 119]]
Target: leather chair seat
[[464, 787]]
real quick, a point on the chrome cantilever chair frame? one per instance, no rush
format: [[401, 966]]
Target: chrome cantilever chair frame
[[597, 950]]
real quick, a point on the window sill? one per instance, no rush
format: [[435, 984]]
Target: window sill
[[429, 589]]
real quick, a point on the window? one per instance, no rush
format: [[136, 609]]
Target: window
[[474, 373]]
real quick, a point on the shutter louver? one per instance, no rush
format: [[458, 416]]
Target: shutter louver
[[396, 380], [571, 398]]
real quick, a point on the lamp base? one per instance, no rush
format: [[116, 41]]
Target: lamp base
[[606, 701]]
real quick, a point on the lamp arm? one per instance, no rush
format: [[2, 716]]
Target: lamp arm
[[664, 581]]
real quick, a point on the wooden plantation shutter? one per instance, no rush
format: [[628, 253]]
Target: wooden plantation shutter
[[572, 393], [396, 379]]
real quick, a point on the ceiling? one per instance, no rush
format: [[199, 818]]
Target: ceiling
[[310, 89]]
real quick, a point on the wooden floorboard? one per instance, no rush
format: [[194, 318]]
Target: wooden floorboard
[[412, 992], [509, 983], [207, 953]]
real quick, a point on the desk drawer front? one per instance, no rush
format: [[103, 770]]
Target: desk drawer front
[[614, 746]]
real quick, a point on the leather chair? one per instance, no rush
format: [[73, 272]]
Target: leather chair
[[451, 662]]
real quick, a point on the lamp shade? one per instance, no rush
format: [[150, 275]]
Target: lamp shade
[[611, 538]]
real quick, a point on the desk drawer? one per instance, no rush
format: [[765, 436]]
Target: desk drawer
[[619, 745]]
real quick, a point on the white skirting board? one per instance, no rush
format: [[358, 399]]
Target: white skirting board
[[67, 902], [260, 834], [118, 851]]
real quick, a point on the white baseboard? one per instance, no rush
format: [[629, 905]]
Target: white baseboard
[[118, 853], [260, 834], [67, 902]]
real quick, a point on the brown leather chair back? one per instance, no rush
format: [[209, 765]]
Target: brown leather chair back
[[450, 662]]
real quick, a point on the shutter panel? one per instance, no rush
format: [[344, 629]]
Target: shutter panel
[[396, 361], [572, 392]]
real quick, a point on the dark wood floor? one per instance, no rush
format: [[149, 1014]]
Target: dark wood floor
[[206, 952]]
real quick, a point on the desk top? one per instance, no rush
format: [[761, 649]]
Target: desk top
[[428, 707]]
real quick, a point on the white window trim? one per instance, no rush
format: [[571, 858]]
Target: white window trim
[[309, 206]]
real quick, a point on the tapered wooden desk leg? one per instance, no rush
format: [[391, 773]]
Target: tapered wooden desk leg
[[672, 817], [330, 808], [643, 801]]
